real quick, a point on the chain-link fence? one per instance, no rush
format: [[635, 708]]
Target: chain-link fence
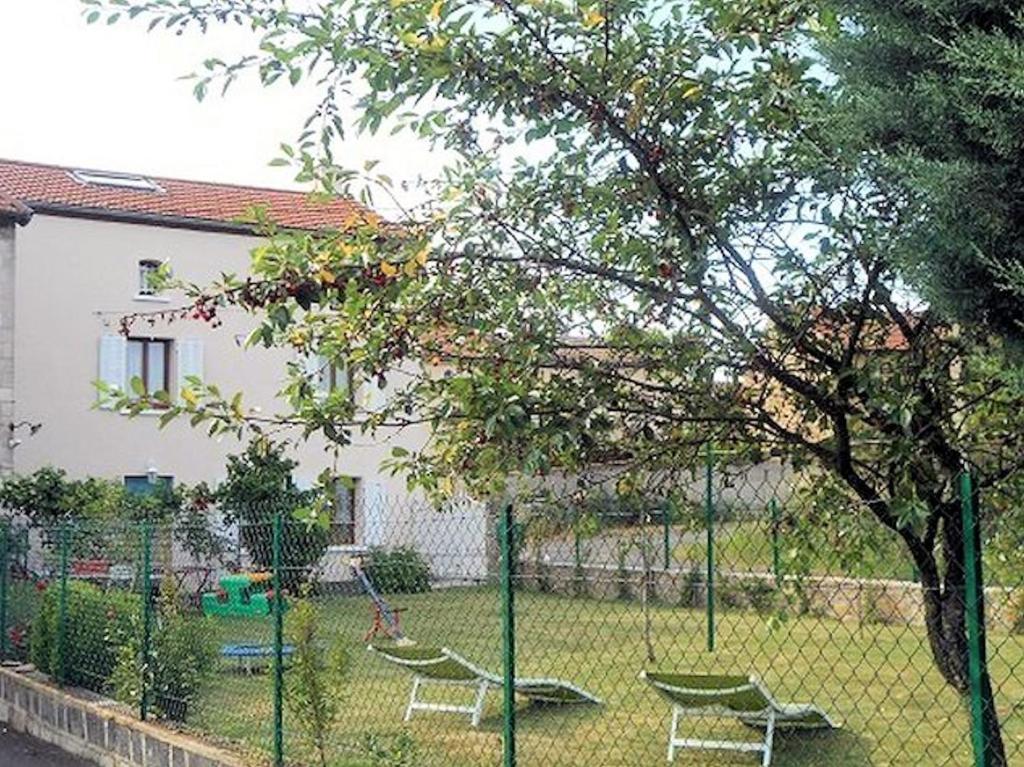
[[731, 619]]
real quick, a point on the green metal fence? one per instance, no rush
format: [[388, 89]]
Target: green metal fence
[[521, 633]]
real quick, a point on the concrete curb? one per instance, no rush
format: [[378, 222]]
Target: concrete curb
[[92, 730]]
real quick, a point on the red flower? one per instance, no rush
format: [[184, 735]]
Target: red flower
[[41, 585]]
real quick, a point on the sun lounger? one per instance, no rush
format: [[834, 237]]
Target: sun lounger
[[743, 697], [439, 665]]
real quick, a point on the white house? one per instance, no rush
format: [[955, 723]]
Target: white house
[[75, 248]]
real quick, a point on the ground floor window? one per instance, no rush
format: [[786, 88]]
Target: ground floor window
[[145, 484], [343, 527]]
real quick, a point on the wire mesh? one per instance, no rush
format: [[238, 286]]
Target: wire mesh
[[820, 605]]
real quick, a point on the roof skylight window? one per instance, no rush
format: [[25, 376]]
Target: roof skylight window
[[116, 180]]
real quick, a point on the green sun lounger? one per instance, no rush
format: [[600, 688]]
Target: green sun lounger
[[439, 665], [743, 697]]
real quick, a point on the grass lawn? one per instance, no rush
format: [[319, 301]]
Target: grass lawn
[[876, 680]]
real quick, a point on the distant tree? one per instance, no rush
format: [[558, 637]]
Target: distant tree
[[258, 487], [931, 94]]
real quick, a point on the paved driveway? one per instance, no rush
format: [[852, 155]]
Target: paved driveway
[[19, 750]]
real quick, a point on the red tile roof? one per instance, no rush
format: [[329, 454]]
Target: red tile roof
[[55, 189]]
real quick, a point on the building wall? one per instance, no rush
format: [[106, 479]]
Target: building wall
[[75, 279], [7, 277]]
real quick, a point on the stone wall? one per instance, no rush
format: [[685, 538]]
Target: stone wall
[[91, 727], [848, 599]]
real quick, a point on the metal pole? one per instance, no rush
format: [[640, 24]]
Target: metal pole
[[278, 646], [506, 540], [147, 616], [773, 506], [62, 605], [709, 514], [666, 535], [973, 596], [5, 554]]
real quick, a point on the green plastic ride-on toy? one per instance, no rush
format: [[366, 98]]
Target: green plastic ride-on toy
[[238, 597]]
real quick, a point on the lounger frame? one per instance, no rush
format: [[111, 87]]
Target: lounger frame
[[770, 717]]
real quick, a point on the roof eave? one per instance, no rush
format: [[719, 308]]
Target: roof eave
[[156, 219], [17, 213]]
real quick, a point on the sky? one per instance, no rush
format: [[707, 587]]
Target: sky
[[110, 98]]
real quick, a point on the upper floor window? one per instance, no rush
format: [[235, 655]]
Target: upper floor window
[[149, 361], [327, 377], [148, 270], [336, 378]]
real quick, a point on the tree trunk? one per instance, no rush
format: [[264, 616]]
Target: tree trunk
[[946, 622]]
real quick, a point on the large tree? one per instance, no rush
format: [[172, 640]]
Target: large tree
[[649, 238], [933, 95]]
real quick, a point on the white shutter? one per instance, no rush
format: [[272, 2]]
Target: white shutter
[[190, 361], [341, 379], [113, 362], [316, 372], [371, 396], [374, 512]]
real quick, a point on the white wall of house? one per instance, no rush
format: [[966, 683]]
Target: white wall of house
[[76, 277]]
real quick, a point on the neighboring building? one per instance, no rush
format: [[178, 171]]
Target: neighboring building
[[75, 248], [12, 215]]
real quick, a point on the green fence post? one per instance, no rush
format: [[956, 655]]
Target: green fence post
[[506, 541], [773, 506], [62, 605], [709, 514], [974, 597], [666, 535], [147, 617], [5, 566], [278, 645]]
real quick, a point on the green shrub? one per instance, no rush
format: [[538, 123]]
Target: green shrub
[[760, 594], [316, 683], [98, 623], [401, 570], [691, 588], [24, 600], [390, 750], [182, 657], [259, 486], [729, 593]]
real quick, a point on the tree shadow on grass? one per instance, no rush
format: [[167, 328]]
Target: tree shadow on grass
[[836, 748], [546, 715]]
